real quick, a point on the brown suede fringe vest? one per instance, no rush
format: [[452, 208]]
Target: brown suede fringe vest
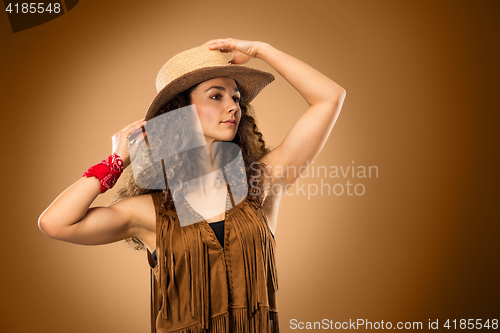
[[200, 286]]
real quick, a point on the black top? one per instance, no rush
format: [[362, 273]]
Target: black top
[[218, 228]]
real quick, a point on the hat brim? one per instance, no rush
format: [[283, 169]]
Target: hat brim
[[250, 82]]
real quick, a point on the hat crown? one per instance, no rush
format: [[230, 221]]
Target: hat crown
[[199, 57]]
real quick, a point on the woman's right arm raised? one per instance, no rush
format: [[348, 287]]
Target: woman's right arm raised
[[69, 217]]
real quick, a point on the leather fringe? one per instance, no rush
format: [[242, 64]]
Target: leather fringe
[[197, 263], [258, 252], [219, 323], [165, 262], [273, 316], [237, 321], [263, 321], [250, 266]]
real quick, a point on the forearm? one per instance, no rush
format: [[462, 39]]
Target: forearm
[[310, 83], [70, 206]]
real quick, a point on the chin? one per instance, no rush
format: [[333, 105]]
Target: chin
[[226, 138], [220, 136]]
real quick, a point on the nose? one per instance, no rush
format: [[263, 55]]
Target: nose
[[233, 106]]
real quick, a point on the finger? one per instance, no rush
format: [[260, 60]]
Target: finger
[[129, 128], [222, 44], [137, 134], [134, 145], [212, 41], [132, 125], [137, 124], [138, 128], [134, 130], [219, 46], [216, 40], [141, 136]]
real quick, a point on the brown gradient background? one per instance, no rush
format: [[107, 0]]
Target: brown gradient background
[[422, 81]]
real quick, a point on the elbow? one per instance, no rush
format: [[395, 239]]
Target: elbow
[[339, 98], [339, 94], [335, 99], [343, 92], [47, 226], [335, 95]]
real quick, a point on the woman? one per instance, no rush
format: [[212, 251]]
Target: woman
[[218, 279]]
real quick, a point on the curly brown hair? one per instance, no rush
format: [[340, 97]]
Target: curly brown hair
[[248, 138]]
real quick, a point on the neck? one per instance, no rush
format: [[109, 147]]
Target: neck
[[207, 184]]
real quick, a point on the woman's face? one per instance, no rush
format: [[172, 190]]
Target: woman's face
[[218, 105]]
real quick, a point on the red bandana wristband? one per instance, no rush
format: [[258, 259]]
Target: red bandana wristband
[[107, 171]]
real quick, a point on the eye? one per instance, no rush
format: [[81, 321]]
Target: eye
[[236, 99], [216, 97]]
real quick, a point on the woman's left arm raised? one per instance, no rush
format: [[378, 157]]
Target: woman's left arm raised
[[308, 135]]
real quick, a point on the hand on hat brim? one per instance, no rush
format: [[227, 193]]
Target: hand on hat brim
[[121, 141], [242, 50]]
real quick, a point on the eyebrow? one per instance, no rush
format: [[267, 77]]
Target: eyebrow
[[221, 89]]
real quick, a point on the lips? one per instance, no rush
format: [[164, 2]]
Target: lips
[[230, 122]]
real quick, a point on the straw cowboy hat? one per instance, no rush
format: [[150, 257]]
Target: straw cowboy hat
[[199, 64]]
